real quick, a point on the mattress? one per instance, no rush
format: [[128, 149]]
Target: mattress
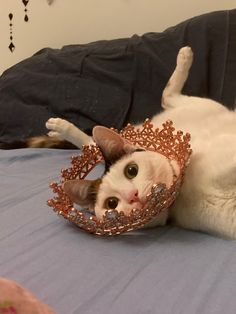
[[162, 270]]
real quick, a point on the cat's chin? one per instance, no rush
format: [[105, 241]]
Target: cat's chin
[[138, 205]]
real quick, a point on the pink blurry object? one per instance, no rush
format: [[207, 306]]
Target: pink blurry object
[[14, 299]]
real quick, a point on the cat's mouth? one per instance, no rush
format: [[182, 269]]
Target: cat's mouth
[[141, 204]]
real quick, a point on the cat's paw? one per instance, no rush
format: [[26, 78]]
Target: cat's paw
[[184, 59], [59, 128]]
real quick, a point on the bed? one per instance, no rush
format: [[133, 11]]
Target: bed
[[163, 270]]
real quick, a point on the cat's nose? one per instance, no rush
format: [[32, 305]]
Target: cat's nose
[[133, 197]]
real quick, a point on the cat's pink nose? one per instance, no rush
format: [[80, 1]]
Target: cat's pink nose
[[133, 197]]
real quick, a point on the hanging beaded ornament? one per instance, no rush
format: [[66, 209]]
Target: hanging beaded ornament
[[25, 3], [11, 46], [173, 145]]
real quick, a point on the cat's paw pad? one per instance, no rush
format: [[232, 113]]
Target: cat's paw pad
[[184, 58], [58, 127]]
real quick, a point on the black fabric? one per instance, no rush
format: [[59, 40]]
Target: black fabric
[[117, 81]]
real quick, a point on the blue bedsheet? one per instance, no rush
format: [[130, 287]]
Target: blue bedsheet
[[163, 270]]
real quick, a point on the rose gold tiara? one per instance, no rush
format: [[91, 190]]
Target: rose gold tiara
[[173, 145]]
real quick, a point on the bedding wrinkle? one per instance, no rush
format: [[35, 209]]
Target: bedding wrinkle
[[207, 281], [117, 287], [22, 196], [13, 232], [96, 297], [28, 254], [130, 279], [211, 282], [29, 232]]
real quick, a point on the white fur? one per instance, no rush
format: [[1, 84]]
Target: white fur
[[207, 201], [153, 167], [62, 129]]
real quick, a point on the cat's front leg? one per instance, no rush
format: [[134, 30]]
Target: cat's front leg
[[178, 78], [65, 130]]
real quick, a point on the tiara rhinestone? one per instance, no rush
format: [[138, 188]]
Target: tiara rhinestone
[[173, 145]]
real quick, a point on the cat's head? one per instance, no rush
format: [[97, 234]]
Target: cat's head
[[131, 172]]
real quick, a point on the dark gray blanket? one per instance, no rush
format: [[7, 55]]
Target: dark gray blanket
[[117, 81]]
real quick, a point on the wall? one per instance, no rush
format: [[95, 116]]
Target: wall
[[81, 21]]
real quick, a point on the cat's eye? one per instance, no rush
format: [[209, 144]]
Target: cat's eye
[[131, 170], [111, 202]]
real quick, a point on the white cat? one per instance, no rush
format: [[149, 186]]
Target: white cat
[[207, 200]]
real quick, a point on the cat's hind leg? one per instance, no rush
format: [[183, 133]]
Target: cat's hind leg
[[178, 78], [64, 130]]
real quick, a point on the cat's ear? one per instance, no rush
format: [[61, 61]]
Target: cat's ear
[[112, 145], [82, 192]]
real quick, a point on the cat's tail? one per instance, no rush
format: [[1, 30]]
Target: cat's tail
[[38, 142]]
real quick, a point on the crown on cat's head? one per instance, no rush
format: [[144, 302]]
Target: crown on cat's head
[[173, 145]]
